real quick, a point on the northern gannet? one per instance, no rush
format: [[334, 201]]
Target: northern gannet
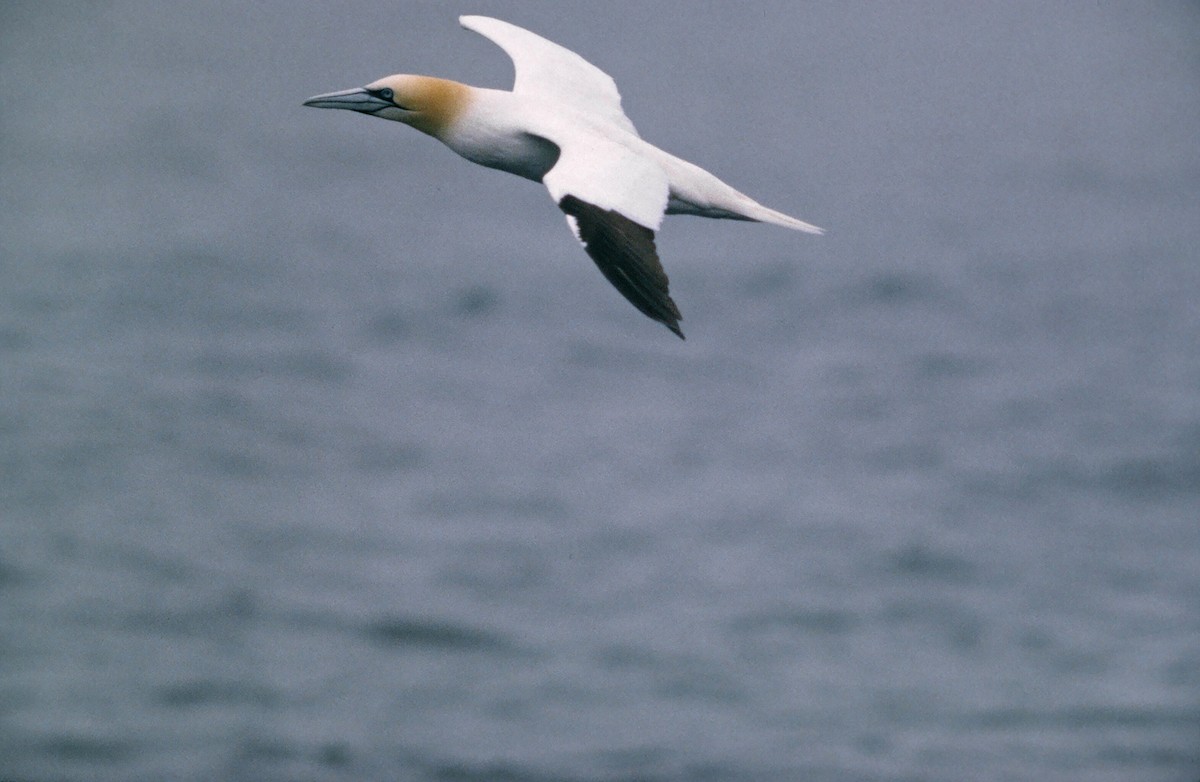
[[562, 125]]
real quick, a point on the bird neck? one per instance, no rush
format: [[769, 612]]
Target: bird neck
[[438, 104]]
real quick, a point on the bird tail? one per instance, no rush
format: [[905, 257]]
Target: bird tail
[[695, 191], [756, 211]]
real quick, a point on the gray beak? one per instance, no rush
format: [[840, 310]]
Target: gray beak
[[355, 100]]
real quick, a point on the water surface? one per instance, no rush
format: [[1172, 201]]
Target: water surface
[[327, 456]]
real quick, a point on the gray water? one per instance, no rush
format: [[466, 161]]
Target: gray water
[[325, 455]]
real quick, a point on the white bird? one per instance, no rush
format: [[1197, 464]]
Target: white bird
[[562, 125]]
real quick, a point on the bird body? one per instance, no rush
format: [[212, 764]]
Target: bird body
[[562, 125]]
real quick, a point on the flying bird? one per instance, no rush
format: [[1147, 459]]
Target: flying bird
[[562, 125]]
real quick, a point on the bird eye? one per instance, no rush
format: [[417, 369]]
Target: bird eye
[[386, 93]]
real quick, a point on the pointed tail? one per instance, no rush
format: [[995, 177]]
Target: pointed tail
[[756, 211]]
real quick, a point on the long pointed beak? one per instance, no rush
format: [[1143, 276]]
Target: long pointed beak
[[357, 99]]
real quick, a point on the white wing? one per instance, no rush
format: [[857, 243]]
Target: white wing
[[608, 175], [547, 70]]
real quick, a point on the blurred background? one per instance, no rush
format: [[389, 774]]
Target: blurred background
[[326, 455]]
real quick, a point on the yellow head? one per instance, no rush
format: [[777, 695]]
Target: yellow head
[[430, 105]]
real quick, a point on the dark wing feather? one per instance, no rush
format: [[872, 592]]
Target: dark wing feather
[[625, 253]]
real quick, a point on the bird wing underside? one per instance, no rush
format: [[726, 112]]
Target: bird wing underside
[[626, 255]]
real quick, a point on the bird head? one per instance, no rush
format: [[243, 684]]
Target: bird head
[[430, 105]]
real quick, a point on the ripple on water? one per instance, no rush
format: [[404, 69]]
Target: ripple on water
[[917, 560], [78, 748], [402, 632], [199, 693], [308, 364]]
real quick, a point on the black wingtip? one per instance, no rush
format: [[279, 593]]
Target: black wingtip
[[625, 253]]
